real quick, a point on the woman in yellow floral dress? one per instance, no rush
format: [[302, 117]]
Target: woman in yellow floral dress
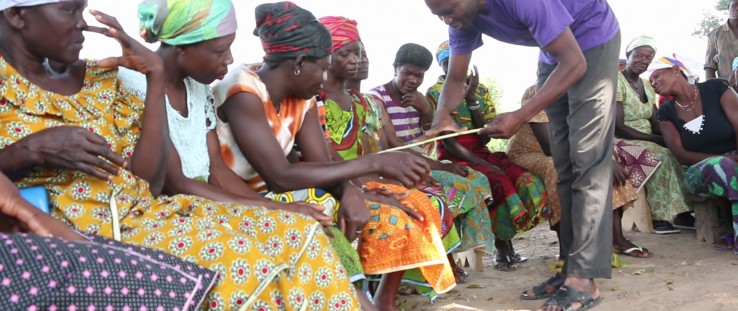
[[74, 130]]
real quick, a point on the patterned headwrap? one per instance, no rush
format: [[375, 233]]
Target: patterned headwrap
[[669, 61], [343, 30], [288, 31], [443, 52], [181, 22], [640, 41], [4, 4], [735, 63]]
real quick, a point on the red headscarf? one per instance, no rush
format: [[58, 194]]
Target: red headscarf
[[343, 30]]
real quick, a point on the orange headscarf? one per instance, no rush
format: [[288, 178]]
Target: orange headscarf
[[343, 30]]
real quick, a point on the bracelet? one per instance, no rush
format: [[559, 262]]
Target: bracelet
[[472, 107]]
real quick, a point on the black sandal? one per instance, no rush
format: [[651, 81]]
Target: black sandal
[[565, 296], [540, 291]]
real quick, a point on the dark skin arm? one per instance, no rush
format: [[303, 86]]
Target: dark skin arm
[[571, 67], [178, 183], [627, 132], [148, 157], [654, 121], [540, 131], [252, 129], [456, 149]]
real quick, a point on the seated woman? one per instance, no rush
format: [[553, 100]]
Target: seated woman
[[635, 122], [56, 257], [345, 118], [262, 114], [529, 148], [699, 123], [466, 190], [73, 129], [519, 197]]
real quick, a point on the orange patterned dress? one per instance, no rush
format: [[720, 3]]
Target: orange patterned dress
[[267, 259]]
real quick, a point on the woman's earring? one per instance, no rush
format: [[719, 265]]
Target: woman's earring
[[296, 72]]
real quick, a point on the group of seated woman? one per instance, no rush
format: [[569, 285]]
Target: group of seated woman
[[157, 158], [273, 189]]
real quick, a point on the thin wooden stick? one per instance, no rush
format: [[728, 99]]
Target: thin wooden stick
[[430, 140]]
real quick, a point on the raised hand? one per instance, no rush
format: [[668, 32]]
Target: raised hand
[[471, 85], [135, 56], [416, 100], [75, 148]]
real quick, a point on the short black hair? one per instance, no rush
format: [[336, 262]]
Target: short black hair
[[414, 54]]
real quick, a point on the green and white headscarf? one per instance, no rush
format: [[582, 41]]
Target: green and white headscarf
[[182, 22]]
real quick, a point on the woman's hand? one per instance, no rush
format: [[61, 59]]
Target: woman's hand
[[75, 148], [135, 56], [17, 215], [404, 167], [455, 168], [353, 214], [471, 85], [308, 209], [384, 196]]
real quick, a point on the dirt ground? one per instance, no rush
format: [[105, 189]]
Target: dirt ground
[[683, 274]]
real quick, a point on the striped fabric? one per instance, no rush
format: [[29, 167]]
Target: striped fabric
[[406, 120]]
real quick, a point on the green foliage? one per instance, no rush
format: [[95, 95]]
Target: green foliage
[[722, 5], [710, 20]]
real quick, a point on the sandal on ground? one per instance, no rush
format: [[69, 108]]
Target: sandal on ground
[[636, 252], [540, 291], [566, 296], [503, 263], [726, 243]]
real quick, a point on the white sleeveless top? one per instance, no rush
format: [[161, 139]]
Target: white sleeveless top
[[189, 135]]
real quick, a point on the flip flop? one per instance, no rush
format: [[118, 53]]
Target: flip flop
[[565, 296], [629, 252]]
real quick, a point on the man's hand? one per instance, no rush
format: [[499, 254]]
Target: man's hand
[[504, 125]]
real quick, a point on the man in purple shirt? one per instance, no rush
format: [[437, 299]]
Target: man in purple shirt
[[577, 71]]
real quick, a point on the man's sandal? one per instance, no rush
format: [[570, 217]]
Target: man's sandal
[[540, 291], [566, 296]]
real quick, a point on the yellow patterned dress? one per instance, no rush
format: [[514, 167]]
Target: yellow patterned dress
[[267, 260]]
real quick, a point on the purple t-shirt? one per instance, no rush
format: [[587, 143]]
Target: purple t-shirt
[[538, 23]]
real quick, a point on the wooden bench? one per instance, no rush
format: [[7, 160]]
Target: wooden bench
[[712, 217], [638, 217]]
